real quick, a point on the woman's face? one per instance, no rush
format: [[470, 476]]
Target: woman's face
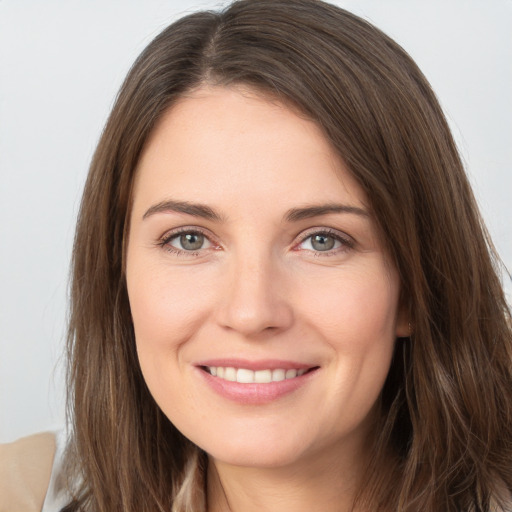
[[265, 308]]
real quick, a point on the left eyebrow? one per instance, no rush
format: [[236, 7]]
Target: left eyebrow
[[193, 209], [296, 214]]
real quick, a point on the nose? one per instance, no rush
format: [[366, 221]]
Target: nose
[[255, 299]]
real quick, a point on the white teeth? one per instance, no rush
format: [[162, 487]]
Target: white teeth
[[278, 375], [245, 376], [230, 374], [263, 376]]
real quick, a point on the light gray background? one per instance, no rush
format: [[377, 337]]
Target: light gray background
[[61, 63]]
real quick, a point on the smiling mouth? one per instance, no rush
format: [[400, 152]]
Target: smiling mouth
[[246, 376]]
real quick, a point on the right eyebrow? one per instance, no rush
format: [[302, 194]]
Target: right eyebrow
[[194, 209]]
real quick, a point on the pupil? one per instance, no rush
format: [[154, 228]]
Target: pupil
[[322, 242], [191, 241]]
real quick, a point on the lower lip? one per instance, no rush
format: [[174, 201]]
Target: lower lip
[[255, 394]]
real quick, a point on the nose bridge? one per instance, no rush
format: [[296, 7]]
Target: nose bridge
[[255, 299]]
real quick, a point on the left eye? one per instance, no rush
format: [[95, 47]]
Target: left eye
[[189, 241], [321, 242]]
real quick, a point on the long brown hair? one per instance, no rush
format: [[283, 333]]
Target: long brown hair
[[444, 441]]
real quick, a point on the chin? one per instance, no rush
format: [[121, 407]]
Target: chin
[[266, 457], [253, 446]]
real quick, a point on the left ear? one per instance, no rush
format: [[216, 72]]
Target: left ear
[[403, 328]]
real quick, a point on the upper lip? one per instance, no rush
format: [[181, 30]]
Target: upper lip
[[261, 364]]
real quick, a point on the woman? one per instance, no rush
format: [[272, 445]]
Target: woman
[[283, 294]]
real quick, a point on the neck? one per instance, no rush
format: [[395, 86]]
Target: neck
[[328, 482]]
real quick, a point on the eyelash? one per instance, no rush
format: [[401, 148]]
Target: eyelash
[[165, 241], [346, 242]]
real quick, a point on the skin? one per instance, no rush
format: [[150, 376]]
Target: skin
[[259, 288]]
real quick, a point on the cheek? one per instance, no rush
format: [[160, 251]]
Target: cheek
[[356, 317], [355, 314], [167, 311], [354, 310], [166, 306]]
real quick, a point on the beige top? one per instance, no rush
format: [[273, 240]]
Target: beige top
[[25, 470]]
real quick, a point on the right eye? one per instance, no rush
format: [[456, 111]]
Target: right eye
[[185, 242], [321, 242], [190, 241]]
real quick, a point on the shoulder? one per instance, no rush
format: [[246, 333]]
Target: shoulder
[[25, 471]]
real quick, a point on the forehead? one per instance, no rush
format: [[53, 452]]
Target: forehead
[[219, 144]]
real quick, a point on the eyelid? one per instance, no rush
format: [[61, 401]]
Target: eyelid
[[347, 242], [164, 240]]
